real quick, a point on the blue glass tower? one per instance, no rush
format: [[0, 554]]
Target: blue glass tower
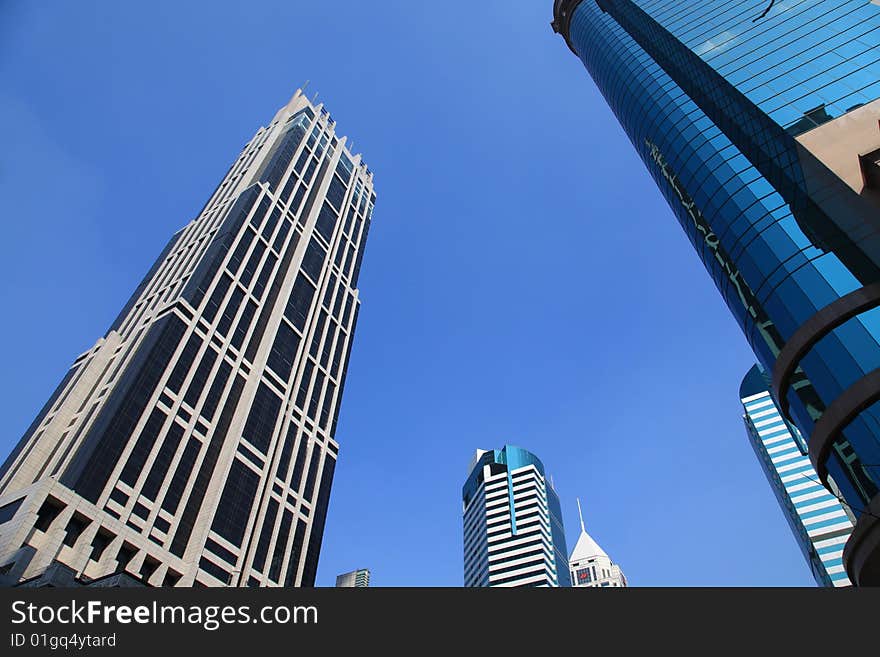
[[758, 121]]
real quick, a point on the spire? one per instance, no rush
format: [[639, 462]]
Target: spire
[[586, 547]]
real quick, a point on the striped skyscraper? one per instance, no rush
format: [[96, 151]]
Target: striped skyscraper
[[194, 444], [513, 532], [816, 517]]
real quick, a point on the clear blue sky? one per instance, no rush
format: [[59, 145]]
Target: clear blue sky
[[524, 281]]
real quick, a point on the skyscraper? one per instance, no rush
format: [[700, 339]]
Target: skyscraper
[[355, 579], [819, 522], [195, 443], [513, 532], [590, 565], [759, 123]]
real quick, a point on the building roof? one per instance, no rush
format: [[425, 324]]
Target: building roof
[[586, 547]]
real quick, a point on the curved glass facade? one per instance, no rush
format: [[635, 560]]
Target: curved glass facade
[[713, 95]]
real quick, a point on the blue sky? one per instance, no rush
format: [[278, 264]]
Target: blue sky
[[524, 281]]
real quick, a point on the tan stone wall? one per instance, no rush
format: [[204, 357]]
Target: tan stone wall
[[839, 143]]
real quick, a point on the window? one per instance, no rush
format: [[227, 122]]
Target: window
[[216, 390], [218, 550], [171, 578], [253, 264], [75, 528], [149, 567], [230, 311], [337, 355], [313, 260], [328, 402], [345, 167], [300, 302], [260, 425], [185, 361], [178, 481], [7, 511], [284, 350], [266, 271], [301, 160], [238, 255], [142, 449], [280, 545], [336, 192], [124, 556], [162, 463], [235, 503], [313, 163], [47, 513], [328, 344], [318, 334], [295, 552], [244, 323], [271, 222], [278, 244], [213, 569], [312, 475], [200, 377], [299, 465], [328, 293], [304, 384], [312, 413], [286, 452], [102, 539], [216, 299], [310, 565], [326, 222], [297, 198], [265, 535]]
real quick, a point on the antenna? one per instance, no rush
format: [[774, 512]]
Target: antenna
[[303, 88], [580, 514]]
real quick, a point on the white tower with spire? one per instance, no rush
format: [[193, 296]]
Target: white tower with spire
[[590, 565]]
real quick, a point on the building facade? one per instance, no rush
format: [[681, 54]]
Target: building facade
[[759, 123], [513, 531], [195, 443], [356, 579], [590, 566], [819, 522]]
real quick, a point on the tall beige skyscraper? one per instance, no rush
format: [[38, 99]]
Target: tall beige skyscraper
[[195, 443]]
